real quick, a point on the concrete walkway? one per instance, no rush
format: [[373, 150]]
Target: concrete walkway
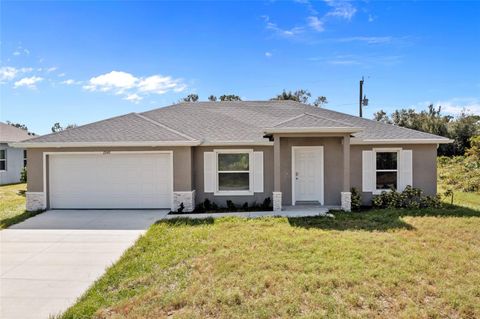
[[50, 260]]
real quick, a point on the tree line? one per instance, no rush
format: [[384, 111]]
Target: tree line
[[302, 96], [461, 128]]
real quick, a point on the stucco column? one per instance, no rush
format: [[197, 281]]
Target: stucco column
[[277, 184], [346, 196], [346, 163]]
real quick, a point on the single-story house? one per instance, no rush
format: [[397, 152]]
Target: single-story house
[[12, 160], [241, 151]]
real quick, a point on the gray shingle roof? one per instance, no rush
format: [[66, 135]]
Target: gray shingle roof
[[310, 121], [126, 128], [236, 121], [9, 133]]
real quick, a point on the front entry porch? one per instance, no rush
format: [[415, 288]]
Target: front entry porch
[[311, 168]]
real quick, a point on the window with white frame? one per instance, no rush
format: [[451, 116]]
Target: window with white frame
[[234, 171], [386, 170], [3, 160], [24, 158]]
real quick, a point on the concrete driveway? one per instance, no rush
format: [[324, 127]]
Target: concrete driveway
[[48, 261]]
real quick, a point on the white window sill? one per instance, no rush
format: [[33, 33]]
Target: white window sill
[[233, 193]]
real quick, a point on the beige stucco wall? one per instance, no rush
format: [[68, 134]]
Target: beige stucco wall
[[188, 168], [424, 165], [182, 164], [221, 200], [333, 166]]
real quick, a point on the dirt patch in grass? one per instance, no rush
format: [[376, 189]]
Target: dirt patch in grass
[[391, 263]]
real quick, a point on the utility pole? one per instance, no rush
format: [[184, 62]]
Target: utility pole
[[363, 101], [360, 101]]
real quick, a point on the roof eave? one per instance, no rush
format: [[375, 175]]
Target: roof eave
[[274, 130], [104, 144], [236, 143], [360, 141]]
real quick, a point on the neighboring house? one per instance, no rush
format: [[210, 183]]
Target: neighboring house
[[12, 160], [239, 151]]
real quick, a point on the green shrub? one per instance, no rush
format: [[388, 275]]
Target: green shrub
[[411, 198], [231, 206], [23, 175], [181, 208], [267, 204], [356, 201], [468, 167], [207, 204]]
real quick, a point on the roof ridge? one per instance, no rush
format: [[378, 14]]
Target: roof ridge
[[290, 119], [312, 115], [164, 126], [326, 118]]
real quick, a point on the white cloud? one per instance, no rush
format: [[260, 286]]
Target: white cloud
[[286, 33], [53, 68], [315, 23], [7, 73], [61, 75], [70, 82], [371, 18], [29, 82], [115, 80], [160, 84], [21, 51], [131, 87], [268, 54], [308, 5], [360, 60], [341, 9], [457, 105], [368, 40], [134, 97], [26, 70]]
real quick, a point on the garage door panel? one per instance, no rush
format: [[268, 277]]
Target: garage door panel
[[110, 181]]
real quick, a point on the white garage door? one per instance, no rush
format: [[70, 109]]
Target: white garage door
[[121, 180]]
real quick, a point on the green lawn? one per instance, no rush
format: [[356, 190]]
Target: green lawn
[[388, 264], [12, 205]]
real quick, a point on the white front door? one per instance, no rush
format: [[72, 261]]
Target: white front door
[[307, 174]]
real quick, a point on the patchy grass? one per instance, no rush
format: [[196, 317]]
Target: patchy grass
[[389, 263], [12, 205]]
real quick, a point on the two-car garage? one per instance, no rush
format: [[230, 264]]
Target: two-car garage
[[110, 180]]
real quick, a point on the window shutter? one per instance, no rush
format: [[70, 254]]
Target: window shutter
[[405, 170], [368, 171], [209, 172], [258, 172]]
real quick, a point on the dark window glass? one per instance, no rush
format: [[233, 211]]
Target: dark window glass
[[233, 162], [233, 181], [386, 180], [3, 160], [386, 160]]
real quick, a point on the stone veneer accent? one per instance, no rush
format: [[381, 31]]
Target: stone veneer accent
[[346, 201], [277, 201], [187, 198], [35, 201]]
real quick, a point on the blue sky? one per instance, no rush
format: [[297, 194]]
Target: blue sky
[[78, 62]]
